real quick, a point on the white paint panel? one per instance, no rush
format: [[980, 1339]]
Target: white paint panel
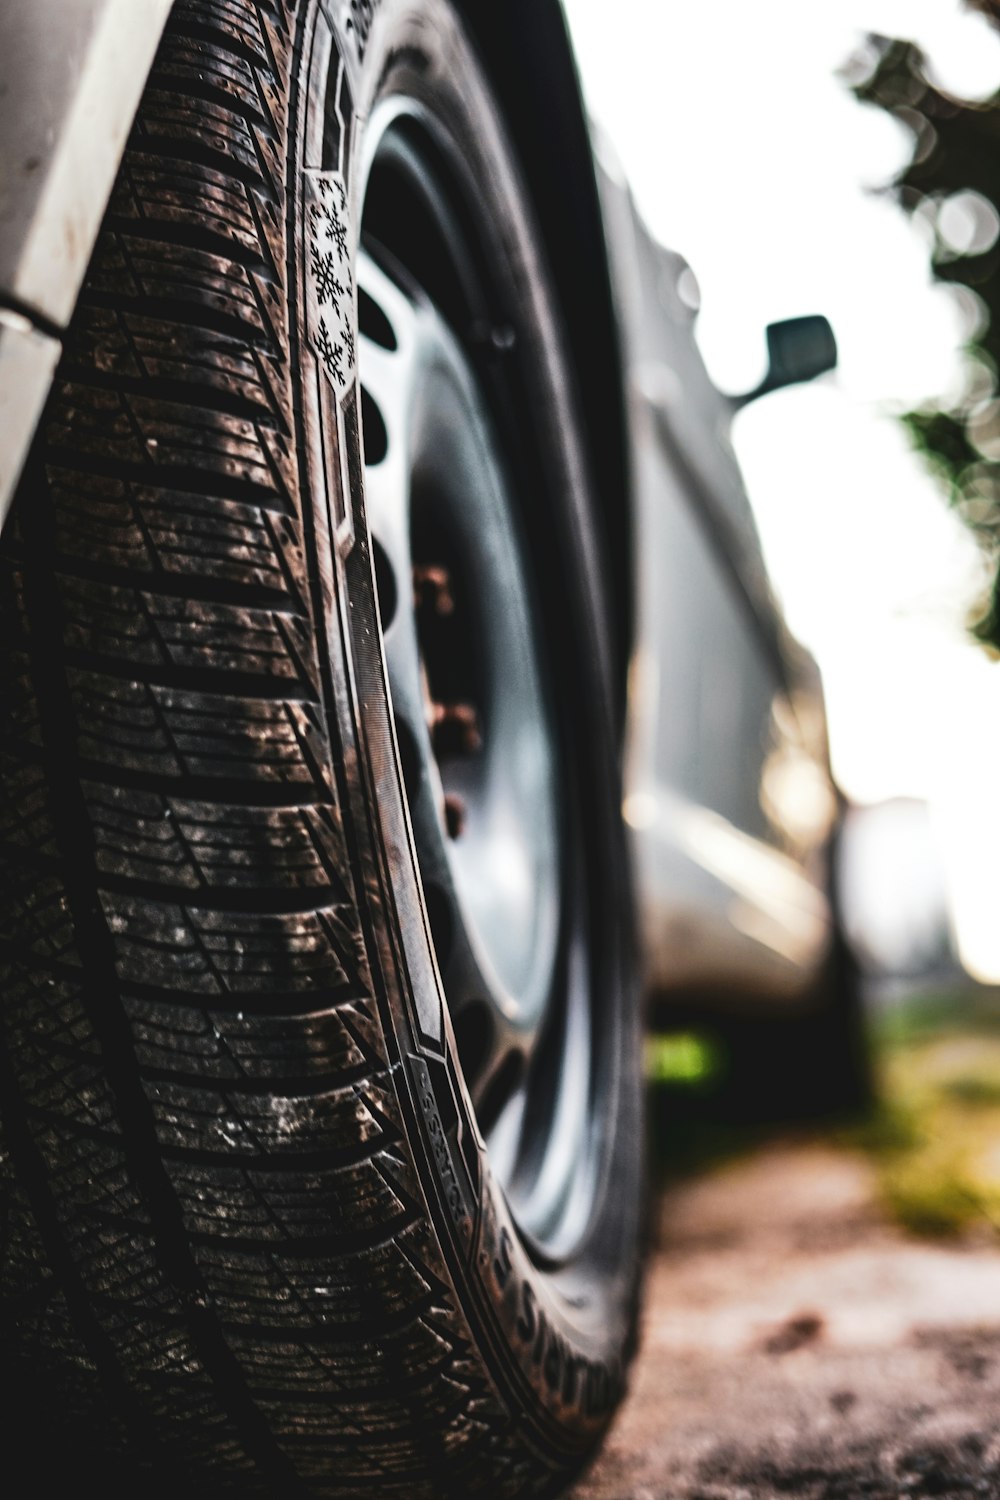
[[71, 76], [27, 363]]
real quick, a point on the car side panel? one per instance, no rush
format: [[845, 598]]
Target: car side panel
[[729, 860]]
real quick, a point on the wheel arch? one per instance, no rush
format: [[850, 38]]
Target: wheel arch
[[65, 114], [526, 51]]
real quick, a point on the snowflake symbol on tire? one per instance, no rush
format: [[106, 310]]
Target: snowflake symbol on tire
[[329, 279], [329, 352], [337, 230], [324, 268], [327, 224]]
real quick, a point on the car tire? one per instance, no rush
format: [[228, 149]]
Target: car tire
[[816, 1063], [282, 1216]]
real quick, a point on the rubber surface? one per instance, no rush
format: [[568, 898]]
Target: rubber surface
[[219, 1261]]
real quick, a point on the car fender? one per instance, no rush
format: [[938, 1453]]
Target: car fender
[[70, 81]]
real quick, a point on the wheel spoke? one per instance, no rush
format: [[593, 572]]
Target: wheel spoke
[[388, 379]]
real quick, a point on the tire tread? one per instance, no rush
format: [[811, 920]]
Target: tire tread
[[213, 1220]]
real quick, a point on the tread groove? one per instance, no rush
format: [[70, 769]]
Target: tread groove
[[175, 478], [198, 317], [213, 682], [182, 235], [188, 586], [196, 31], [277, 1163], [184, 787], [189, 150], [243, 900], [199, 396]]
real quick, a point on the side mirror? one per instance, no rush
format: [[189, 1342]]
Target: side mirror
[[798, 349]]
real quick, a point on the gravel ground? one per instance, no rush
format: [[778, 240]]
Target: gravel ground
[[797, 1344]]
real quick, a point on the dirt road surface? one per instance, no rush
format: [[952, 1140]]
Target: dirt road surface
[[798, 1345]]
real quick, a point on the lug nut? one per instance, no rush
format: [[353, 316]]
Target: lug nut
[[432, 589], [454, 815], [455, 729]]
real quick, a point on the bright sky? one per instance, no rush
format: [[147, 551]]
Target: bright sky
[[746, 153]]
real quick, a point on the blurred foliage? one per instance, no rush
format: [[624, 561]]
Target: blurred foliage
[[935, 1138], [682, 1057], [952, 186]]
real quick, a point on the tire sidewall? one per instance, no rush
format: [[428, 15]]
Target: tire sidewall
[[556, 1338]]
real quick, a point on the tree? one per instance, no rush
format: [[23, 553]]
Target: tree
[[952, 182]]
